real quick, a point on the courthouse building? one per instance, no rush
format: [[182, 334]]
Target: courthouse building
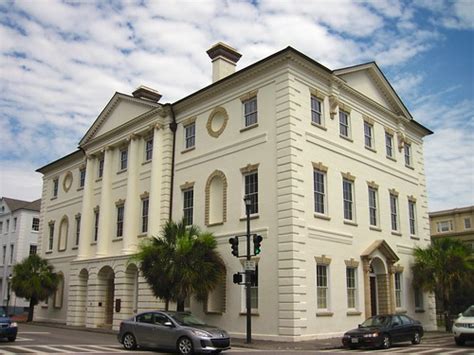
[[332, 160]]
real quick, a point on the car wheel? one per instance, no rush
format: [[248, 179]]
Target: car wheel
[[416, 338], [459, 341], [185, 346], [129, 341], [386, 342], [12, 338]]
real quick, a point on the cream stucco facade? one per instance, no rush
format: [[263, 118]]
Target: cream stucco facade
[[340, 210]]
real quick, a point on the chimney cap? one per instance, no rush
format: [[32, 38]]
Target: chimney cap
[[144, 92], [224, 50]]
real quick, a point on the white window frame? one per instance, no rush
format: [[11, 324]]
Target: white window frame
[[253, 193], [467, 223], [369, 135], [123, 159], [322, 193], [394, 215], [100, 168], [389, 151], [1, 226], [33, 247], [120, 220], [4, 256], [190, 135], [352, 290], [321, 288], [96, 225], [55, 187], [350, 202], [188, 209], [144, 215], [412, 225], [408, 155], [444, 226], [317, 112], [15, 222], [149, 149], [254, 294], [398, 282], [250, 114], [418, 299], [344, 125], [12, 251], [373, 207], [78, 229], [82, 177], [51, 237]]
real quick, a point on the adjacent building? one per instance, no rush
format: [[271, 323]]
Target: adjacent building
[[19, 229], [333, 163], [455, 223]]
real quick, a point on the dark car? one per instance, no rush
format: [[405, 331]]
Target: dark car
[[8, 329], [384, 330], [180, 331]]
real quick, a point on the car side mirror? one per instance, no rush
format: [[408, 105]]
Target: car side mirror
[[168, 324], [395, 324], [359, 326]]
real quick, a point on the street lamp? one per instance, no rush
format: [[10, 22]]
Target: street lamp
[[248, 204], [9, 280]]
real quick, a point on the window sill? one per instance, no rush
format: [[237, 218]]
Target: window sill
[[117, 239], [142, 235], [421, 310], [48, 252], [391, 158], [350, 223], [324, 314], [121, 171], [346, 138], [371, 149], [44, 306], [75, 248], [319, 126], [98, 179], [54, 198], [253, 313], [188, 150], [215, 313], [80, 188], [377, 229], [146, 162], [93, 243], [255, 125], [322, 216], [61, 250], [414, 237], [409, 167], [400, 311], [215, 224], [398, 234], [252, 216], [353, 313]]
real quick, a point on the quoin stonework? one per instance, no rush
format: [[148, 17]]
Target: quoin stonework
[[332, 160]]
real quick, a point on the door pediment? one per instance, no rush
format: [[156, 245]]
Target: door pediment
[[384, 248]]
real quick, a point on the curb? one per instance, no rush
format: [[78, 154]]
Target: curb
[[84, 329]]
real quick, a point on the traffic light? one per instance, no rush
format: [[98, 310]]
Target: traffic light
[[234, 242], [257, 241], [237, 278]]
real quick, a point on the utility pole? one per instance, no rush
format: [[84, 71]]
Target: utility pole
[[248, 274]]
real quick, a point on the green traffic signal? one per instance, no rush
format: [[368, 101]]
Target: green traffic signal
[[257, 241]]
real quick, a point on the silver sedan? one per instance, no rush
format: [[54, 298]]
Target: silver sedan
[[179, 331]]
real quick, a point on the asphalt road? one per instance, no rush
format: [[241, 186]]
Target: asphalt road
[[40, 339]]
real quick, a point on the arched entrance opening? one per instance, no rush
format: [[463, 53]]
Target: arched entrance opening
[[106, 288], [378, 287], [130, 307], [83, 279]]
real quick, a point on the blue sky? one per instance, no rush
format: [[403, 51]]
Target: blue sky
[[61, 61]]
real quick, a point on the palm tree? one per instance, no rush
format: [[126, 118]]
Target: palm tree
[[442, 268], [181, 262], [34, 280]]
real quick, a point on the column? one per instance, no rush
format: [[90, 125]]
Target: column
[[367, 303], [106, 216], [391, 288], [87, 214], [155, 183], [132, 202]]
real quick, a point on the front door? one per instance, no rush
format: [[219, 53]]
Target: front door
[[373, 295]]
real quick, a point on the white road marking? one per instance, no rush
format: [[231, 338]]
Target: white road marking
[[108, 349], [23, 339], [23, 349], [80, 348], [54, 349], [33, 333]]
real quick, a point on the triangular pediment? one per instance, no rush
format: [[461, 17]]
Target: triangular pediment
[[369, 80], [120, 109], [383, 247]]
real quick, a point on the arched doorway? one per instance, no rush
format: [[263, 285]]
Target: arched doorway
[[378, 287], [131, 282], [106, 289], [83, 279]]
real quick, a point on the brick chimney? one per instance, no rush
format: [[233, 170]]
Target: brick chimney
[[224, 59]]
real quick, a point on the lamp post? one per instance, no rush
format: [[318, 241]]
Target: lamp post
[[9, 279], [248, 204]]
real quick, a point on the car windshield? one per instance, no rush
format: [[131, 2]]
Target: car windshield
[[376, 321], [469, 312], [187, 319]]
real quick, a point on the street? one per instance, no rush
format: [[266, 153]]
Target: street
[[40, 339]]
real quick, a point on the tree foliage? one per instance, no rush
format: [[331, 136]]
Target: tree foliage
[[181, 262], [35, 280], [443, 268]]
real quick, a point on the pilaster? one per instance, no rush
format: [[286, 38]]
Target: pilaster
[[87, 213], [156, 180], [106, 216]]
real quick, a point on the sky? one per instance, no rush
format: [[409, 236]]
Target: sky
[[62, 61]]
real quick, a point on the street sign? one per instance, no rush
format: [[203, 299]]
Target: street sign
[[249, 265]]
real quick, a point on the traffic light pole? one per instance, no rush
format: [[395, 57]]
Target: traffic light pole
[[247, 280]]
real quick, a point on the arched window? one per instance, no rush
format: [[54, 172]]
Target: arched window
[[58, 295], [216, 199]]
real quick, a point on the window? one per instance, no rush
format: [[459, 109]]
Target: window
[[58, 295], [319, 191], [33, 249], [78, 229], [444, 226], [398, 290], [253, 291], [96, 224], [190, 135], [347, 191], [55, 187], [344, 124], [412, 216], [1, 227], [408, 161], [123, 158], [35, 224], [120, 211], [145, 206], [418, 299], [8, 226], [351, 287], [467, 223], [394, 211], [149, 149], [15, 220], [51, 236], [4, 255], [251, 190], [322, 286], [188, 204], [373, 213], [82, 177], [12, 248], [368, 135], [389, 145], [316, 110], [101, 168], [250, 111]]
